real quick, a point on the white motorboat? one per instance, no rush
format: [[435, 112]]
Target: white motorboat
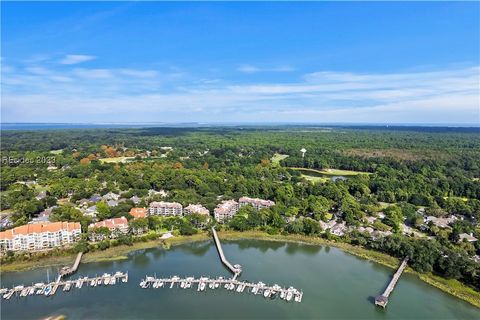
[[266, 293], [289, 295]]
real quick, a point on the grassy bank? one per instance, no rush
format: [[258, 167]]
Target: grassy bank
[[450, 286]]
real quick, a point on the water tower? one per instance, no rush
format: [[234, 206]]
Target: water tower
[[303, 152]]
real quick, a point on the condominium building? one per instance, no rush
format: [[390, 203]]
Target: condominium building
[[138, 213], [225, 210], [165, 208], [115, 225], [255, 202], [196, 208], [39, 236]]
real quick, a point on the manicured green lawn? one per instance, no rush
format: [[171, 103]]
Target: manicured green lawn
[[116, 159], [315, 179], [277, 157]]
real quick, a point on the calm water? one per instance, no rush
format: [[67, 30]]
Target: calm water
[[336, 285]]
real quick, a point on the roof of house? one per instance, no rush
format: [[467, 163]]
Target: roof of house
[[256, 201], [112, 203], [196, 208], [95, 198], [138, 212], [225, 206], [163, 204], [468, 237], [39, 228], [110, 223]]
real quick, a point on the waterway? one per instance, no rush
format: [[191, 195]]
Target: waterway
[[336, 285]]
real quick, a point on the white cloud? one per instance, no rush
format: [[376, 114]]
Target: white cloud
[[76, 58], [449, 95], [94, 73], [246, 68], [139, 73]]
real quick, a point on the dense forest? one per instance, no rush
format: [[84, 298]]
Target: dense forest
[[401, 171]]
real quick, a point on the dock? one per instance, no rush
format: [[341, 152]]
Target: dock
[[49, 289], [235, 269], [71, 270], [233, 285], [382, 300]]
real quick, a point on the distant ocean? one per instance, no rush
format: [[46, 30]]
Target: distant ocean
[[473, 127], [56, 126]]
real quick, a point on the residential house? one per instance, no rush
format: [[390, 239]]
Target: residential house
[[91, 211], [135, 199], [328, 225], [225, 210], [468, 237], [112, 203], [198, 209], [138, 212], [115, 225], [368, 230], [111, 196], [165, 208], [255, 202], [95, 198], [83, 202], [39, 236], [370, 219], [441, 222], [339, 229], [41, 195]]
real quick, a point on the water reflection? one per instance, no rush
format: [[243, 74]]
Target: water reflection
[[198, 249]]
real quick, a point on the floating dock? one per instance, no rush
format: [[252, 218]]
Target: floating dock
[[382, 299], [204, 283], [49, 289]]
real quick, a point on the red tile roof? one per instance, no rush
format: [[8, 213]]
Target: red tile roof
[[39, 228], [138, 212]]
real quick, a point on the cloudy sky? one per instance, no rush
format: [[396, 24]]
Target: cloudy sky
[[240, 62]]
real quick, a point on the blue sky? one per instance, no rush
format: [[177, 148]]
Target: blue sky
[[240, 62]]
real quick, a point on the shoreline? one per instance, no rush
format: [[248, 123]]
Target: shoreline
[[450, 286]]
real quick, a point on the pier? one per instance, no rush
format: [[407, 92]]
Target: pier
[[382, 299], [71, 270], [49, 289], [233, 285], [236, 269]]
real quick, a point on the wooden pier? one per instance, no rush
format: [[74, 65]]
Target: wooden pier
[[70, 270], [204, 283], [236, 269], [49, 289], [382, 299]]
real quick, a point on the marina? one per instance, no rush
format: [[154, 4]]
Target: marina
[[320, 273], [49, 289], [234, 285], [203, 283]]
